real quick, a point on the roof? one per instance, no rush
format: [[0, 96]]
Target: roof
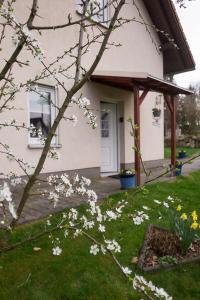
[[126, 80], [164, 17]]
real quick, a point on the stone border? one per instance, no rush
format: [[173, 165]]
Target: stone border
[[141, 260]]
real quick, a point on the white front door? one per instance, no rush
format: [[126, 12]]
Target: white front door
[[108, 137]]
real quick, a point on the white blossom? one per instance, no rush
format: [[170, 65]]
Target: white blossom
[[48, 223], [94, 249], [102, 228], [166, 204], [66, 233], [92, 195], [54, 197], [112, 245], [57, 250], [145, 207], [5, 193], [140, 283], [73, 214], [126, 270], [111, 215], [11, 208], [157, 201], [140, 217]]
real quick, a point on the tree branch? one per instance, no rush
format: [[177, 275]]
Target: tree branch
[[60, 115]]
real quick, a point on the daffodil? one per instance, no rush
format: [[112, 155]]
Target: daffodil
[[179, 207], [194, 225], [194, 216], [184, 216]]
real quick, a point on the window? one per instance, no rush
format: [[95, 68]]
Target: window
[[100, 6], [104, 124], [42, 112]]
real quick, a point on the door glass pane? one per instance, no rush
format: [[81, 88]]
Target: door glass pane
[[40, 112], [104, 124]]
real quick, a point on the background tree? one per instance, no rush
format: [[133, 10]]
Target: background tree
[[188, 112]]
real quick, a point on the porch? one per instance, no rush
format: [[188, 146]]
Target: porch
[[141, 84]]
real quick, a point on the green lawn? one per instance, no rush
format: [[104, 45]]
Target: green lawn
[[75, 274], [190, 151]]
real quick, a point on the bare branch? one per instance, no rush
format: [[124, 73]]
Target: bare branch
[[20, 45]]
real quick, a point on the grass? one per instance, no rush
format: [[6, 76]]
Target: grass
[[190, 151], [75, 274]]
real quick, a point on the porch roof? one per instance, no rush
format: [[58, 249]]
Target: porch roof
[[126, 80]]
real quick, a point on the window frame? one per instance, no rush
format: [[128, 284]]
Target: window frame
[[34, 141]]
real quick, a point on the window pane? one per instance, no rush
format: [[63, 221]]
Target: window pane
[[104, 124], [40, 112]]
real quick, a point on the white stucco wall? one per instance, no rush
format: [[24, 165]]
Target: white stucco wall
[[81, 145]]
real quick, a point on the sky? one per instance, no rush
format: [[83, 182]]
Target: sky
[[190, 20]]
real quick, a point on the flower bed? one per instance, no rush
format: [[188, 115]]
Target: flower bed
[[162, 250]]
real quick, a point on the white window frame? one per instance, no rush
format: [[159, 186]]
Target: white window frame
[[105, 12], [34, 141]]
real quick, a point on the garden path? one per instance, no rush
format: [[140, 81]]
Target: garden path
[[39, 207]]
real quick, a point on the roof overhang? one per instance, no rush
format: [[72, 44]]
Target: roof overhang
[[126, 80], [164, 17]]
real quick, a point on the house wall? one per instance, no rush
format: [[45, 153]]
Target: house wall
[[81, 145]]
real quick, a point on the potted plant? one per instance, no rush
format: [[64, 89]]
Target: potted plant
[[127, 179], [182, 154], [179, 166], [156, 112]]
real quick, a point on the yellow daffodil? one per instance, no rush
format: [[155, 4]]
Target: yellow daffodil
[[179, 207], [194, 216], [184, 216], [194, 225]]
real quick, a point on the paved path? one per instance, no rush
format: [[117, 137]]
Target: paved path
[[38, 207]]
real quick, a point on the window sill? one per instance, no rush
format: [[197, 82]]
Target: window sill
[[39, 146]]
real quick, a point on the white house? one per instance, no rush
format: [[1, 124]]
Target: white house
[[145, 53]]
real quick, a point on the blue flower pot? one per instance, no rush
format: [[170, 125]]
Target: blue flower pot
[[127, 181], [178, 170], [182, 155]]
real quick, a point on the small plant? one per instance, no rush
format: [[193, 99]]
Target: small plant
[[182, 151], [127, 172], [182, 154], [168, 259], [179, 164], [178, 168], [156, 112]]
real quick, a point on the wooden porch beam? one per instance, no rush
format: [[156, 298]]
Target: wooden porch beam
[[169, 102], [142, 97], [137, 133]]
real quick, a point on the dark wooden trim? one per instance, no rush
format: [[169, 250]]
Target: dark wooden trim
[[168, 101], [137, 133], [142, 97]]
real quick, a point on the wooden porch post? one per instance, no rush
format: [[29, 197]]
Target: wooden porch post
[[172, 108], [137, 133], [173, 134]]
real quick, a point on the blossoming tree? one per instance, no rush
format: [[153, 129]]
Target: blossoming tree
[[25, 36]]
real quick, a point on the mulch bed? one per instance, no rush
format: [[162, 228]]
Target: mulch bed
[[159, 244]]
